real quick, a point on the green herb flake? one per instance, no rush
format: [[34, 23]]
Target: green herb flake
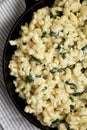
[[71, 98], [72, 46], [73, 85], [37, 75], [44, 88], [43, 34], [77, 94], [68, 128], [63, 55], [70, 66], [84, 48], [83, 70], [54, 34], [57, 122], [52, 16], [59, 46], [54, 70], [29, 78], [32, 58], [71, 107], [59, 13], [61, 69]]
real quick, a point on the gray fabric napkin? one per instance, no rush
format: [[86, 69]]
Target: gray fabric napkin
[[10, 118]]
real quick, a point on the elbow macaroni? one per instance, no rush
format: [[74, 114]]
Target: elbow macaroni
[[50, 65]]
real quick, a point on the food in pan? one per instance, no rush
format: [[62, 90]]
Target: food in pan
[[50, 65]]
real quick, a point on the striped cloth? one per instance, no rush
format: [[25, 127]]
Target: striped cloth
[[10, 118]]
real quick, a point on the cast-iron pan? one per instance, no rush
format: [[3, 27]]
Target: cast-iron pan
[[31, 6]]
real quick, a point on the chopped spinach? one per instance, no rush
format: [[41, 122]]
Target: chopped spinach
[[59, 46], [61, 69], [29, 78], [72, 46], [71, 66], [71, 98], [84, 48], [59, 13], [73, 85], [77, 94], [33, 58], [56, 69], [43, 34], [45, 87], [83, 70], [63, 54], [52, 16], [71, 107], [37, 75], [54, 34], [57, 122], [68, 128]]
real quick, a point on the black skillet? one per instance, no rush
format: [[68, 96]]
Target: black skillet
[[31, 6]]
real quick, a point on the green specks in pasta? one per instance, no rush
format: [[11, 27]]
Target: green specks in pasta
[[68, 128], [71, 98], [29, 78], [70, 66], [84, 48], [83, 70], [72, 46], [37, 75], [60, 46], [71, 107], [52, 16], [54, 34], [59, 13], [63, 54], [77, 94], [33, 58], [57, 122], [45, 88], [43, 34], [72, 85], [56, 69]]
